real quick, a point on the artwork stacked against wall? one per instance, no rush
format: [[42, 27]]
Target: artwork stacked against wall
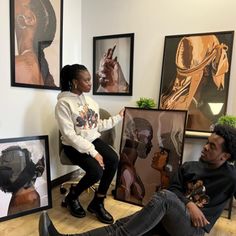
[[24, 176], [36, 56], [151, 150]]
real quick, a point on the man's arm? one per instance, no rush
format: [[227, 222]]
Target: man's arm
[[197, 217], [177, 184], [178, 187]]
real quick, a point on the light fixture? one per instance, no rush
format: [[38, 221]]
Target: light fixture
[[215, 107]]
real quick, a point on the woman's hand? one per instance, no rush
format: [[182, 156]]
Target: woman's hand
[[197, 217], [99, 159], [121, 112]]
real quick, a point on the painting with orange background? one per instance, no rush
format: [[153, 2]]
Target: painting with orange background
[[195, 76]]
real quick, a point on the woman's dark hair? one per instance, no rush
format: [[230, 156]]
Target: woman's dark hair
[[44, 35], [138, 124], [228, 133], [68, 73]]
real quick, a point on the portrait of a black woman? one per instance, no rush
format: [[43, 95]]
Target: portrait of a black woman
[[35, 27]]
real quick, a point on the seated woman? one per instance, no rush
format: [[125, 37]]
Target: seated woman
[[78, 119]]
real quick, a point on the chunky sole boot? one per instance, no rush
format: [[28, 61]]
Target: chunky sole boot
[[97, 207], [74, 207]]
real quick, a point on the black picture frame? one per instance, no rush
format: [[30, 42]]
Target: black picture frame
[[25, 185], [195, 77], [151, 150], [113, 54], [36, 43]]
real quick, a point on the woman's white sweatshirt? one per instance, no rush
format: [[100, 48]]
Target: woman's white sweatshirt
[[79, 122]]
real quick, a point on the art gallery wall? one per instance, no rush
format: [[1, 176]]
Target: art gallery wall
[[27, 111], [151, 21], [30, 112]]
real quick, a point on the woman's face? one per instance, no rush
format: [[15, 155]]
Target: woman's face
[[144, 142], [83, 82], [159, 160]]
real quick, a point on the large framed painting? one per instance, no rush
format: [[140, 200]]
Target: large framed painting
[[151, 151], [36, 43], [113, 64], [195, 77], [24, 176]]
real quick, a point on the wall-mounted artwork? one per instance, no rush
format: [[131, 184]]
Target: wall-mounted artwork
[[24, 176], [36, 43], [195, 76], [113, 64], [150, 152]]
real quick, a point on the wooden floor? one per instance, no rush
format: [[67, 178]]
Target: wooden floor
[[65, 223]]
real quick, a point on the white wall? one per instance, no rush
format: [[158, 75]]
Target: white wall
[[151, 21], [27, 111]]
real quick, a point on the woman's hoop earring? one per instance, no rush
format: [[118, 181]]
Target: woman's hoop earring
[[18, 19]]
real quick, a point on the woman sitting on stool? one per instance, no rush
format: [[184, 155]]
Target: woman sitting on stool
[[78, 120]]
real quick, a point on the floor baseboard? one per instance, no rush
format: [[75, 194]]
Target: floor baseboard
[[60, 180]]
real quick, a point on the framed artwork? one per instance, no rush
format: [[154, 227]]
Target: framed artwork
[[36, 43], [24, 176], [113, 64], [151, 151], [195, 76], [193, 146]]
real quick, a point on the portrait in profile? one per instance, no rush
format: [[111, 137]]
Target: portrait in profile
[[195, 76], [150, 151], [36, 43]]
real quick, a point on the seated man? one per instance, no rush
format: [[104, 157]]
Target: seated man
[[179, 209]]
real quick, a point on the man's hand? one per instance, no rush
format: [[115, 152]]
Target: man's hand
[[197, 217]]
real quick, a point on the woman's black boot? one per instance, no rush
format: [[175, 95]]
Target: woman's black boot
[[72, 203], [96, 206]]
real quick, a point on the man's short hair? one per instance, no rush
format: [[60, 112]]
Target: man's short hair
[[228, 133]]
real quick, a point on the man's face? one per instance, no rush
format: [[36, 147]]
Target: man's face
[[212, 152]]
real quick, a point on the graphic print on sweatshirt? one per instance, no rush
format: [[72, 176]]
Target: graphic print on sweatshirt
[[196, 192], [87, 118]]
